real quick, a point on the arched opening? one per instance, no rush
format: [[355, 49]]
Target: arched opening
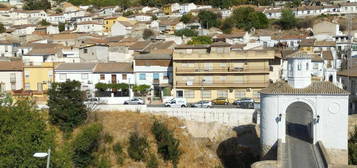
[[330, 78], [299, 121]]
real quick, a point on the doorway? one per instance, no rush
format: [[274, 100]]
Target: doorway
[[299, 121]]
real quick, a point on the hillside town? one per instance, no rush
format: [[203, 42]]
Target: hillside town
[[245, 56]]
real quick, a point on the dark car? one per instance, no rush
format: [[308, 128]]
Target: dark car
[[246, 105], [245, 99]]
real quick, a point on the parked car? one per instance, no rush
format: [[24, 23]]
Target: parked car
[[245, 99], [221, 101], [202, 104], [134, 101], [92, 100], [176, 102], [246, 105]]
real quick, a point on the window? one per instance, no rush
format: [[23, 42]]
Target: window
[[165, 75], [27, 74], [307, 66], [124, 77], [316, 66], [156, 76], [13, 86], [63, 77], [189, 94], [85, 51], [222, 93], [142, 76], [299, 66], [39, 86], [84, 76], [256, 93], [12, 77], [206, 94], [102, 76], [239, 94], [50, 74]]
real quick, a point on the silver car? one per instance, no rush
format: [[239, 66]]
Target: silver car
[[202, 104], [134, 101]]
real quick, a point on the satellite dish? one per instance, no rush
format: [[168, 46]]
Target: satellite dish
[[40, 155]]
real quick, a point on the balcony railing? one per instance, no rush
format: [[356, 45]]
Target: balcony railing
[[223, 84], [224, 70]]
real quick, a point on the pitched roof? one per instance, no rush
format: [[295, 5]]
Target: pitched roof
[[155, 55], [198, 46], [299, 54], [220, 44], [320, 88], [11, 65], [327, 55], [42, 51], [140, 45], [325, 43], [316, 58], [351, 73], [113, 67], [75, 67], [307, 42]]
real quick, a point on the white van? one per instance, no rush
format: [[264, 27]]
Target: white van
[[176, 102]]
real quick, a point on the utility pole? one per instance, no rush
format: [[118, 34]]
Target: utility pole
[[349, 51]]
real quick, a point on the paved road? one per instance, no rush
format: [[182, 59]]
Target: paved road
[[300, 150]]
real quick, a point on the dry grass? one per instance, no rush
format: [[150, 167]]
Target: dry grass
[[196, 153]]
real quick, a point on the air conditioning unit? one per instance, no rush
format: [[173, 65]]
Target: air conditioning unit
[[189, 83]]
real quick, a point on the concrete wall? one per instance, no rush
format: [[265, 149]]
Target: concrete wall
[[230, 117]]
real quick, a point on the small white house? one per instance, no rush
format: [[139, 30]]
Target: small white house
[[21, 30], [7, 48], [11, 75], [143, 18], [89, 27], [187, 7], [56, 18], [121, 28]]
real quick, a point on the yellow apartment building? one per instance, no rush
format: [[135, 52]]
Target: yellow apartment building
[[38, 77], [109, 21], [205, 72]]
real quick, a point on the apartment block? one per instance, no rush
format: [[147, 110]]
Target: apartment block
[[205, 72]]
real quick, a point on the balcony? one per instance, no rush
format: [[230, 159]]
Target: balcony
[[223, 84], [232, 70]]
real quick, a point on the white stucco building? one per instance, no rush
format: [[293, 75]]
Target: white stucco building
[[321, 108], [11, 75]]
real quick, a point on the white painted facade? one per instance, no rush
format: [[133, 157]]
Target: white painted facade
[[143, 18], [89, 28], [187, 7], [145, 74], [10, 80], [6, 50], [119, 29], [56, 19], [83, 76]]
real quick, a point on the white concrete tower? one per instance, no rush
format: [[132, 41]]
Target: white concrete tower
[[299, 69]]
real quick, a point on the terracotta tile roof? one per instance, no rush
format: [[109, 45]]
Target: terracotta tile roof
[[140, 45], [325, 43], [327, 55], [352, 72], [307, 42], [220, 44], [169, 22], [316, 58], [75, 67], [321, 88], [11, 65], [113, 67], [89, 22], [285, 53], [299, 54], [126, 24], [198, 46], [42, 51]]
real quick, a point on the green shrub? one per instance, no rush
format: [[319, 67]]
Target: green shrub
[[352, 147], [107, 138], [152, 162], [84, 144], [103, 162], [186, 32], [167, 144], [118, 150], [138, 146]]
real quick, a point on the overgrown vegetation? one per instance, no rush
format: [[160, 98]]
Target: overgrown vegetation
[[119, 153], [186, 32], [43, 22], [66, 105], [2, 28], [352, 148], [200, 40], [105, 86], [287, 19], [138, 147], [209, 19], [147, 34], [167, 144], [247, 18], [141, 90], [36, 5], [84, 144], [23, 131]]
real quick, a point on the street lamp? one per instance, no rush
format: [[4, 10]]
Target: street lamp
[[44, 154], [202, 92]]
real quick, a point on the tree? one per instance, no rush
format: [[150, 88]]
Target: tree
[[23, 131], [85, 143], [147, 34], [138, 147], [352, 147], [186, 32], [227, 26], [66, 105], [2, 28], [37, 5], [43, 22], [247, 18], [186, 18], [61, 26], [141, 90], [287, 19], [200, 40], [167, 144], [209, 19]]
